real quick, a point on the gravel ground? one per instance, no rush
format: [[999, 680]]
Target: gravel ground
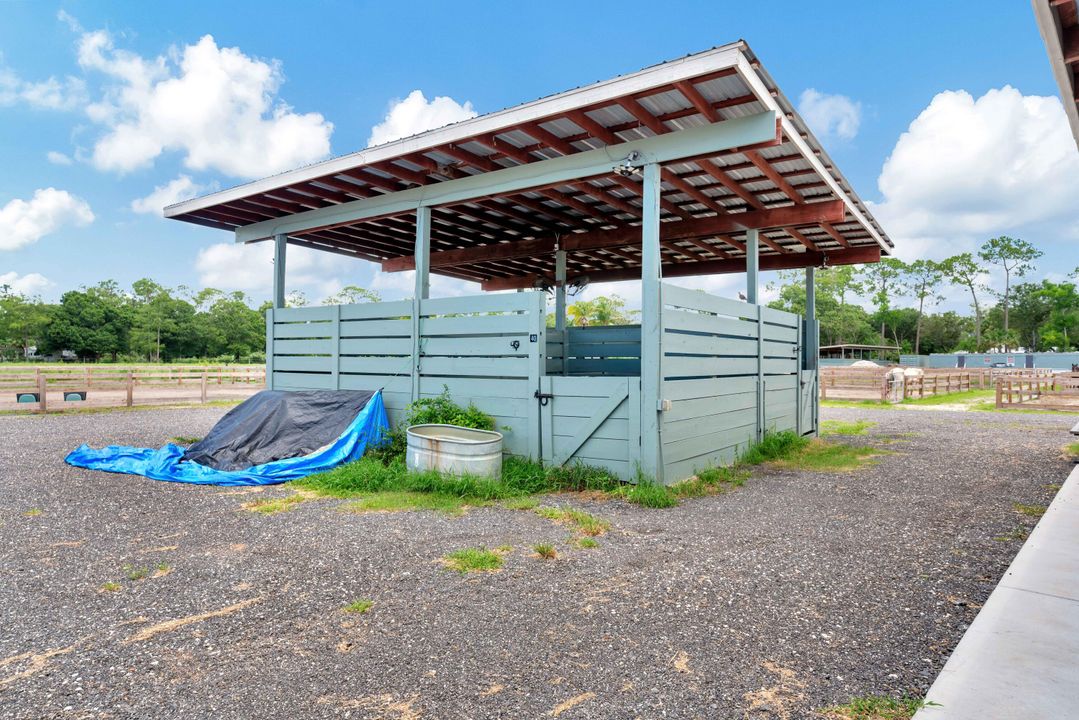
[[797, 591]]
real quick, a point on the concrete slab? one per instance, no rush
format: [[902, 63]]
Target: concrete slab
[[1019, 658]]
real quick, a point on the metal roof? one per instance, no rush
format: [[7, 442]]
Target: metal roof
[[721, 84]]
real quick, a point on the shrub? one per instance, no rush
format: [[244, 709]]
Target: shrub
[[438, 410]]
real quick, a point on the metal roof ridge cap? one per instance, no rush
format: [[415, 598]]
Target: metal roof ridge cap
[[456, 131]]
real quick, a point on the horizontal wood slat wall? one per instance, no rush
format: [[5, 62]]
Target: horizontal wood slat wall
[[486, 349], [710, 374], [605, 350]]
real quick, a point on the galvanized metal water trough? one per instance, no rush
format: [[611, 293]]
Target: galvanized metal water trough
[[454, 450]]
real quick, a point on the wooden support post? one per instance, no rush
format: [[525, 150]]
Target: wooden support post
[[280, 245], [651, 326], [1000, 394], [202, 389], [422, 290], [269, 348], [87, 377], [753, 264], [560, 305], [130, 388], [42, 402], [335, 341]]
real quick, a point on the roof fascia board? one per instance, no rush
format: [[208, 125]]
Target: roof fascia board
[[757, 86], [683, 69], [714, 138], [1049, 26]]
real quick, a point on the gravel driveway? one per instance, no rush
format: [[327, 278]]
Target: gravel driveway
[[796, 591]]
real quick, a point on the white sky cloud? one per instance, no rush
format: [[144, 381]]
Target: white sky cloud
[[215, 106], [29, 284], [968, 169], [58, 158], [182, 188], [51, 94], [397, 285], [233, 266], [415, 114], [23, 222], [830, 115]]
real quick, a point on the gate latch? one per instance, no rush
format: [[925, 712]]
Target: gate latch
[[544, 398]]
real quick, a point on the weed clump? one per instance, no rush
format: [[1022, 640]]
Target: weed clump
[[473, 560]]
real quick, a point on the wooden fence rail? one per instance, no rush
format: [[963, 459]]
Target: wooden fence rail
[[1056, 392], [848, 383], [117, 386]]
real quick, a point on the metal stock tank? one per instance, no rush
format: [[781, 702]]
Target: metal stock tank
[[454, 450]]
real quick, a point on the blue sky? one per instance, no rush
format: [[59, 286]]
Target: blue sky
[[81, 80]]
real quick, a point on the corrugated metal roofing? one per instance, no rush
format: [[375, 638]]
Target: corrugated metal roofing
[[619, 110]]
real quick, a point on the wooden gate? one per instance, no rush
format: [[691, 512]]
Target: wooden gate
[[592, 420]]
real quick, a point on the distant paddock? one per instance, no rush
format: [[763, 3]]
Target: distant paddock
[[55, 388]]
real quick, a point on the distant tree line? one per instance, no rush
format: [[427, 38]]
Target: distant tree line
[[148, 323], [1034, 315], [152, 323]]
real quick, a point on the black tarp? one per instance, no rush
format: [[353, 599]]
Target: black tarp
[[277, 424]]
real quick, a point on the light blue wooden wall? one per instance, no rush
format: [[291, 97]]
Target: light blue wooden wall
[[724, 387], [593, 421], [606, 350], [486, 349]]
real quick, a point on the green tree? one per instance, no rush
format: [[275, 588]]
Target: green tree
[[839, 322], [1016, 257], [884, 282], [93, 322], [232, 327], [163, 324], [351, 295], [22, 322], [604, 310], [923, 278], [963, 271]]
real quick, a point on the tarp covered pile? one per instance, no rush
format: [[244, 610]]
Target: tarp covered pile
[[272, 437]]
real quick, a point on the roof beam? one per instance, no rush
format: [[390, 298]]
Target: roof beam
[[750, 130], [808, 214], [787, 261]]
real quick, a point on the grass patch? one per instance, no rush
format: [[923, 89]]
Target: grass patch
[[840, 427], [963, 397], [111, 586], [649, 494], [1072, 449], [270, 506], [1035, 511], [134, 572], [473, 560], [1019, 534], [584, 522], [877, 707], [712, 481], [821, 456], [588, 543], [521, 503], [33, 512], [546, 551], [398, 501], [876, 404], [359, 607], [185, 440]]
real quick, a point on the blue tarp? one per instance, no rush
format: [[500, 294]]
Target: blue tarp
[[165, 463]]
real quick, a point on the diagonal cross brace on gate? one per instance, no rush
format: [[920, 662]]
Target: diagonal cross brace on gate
[[618, 394]]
